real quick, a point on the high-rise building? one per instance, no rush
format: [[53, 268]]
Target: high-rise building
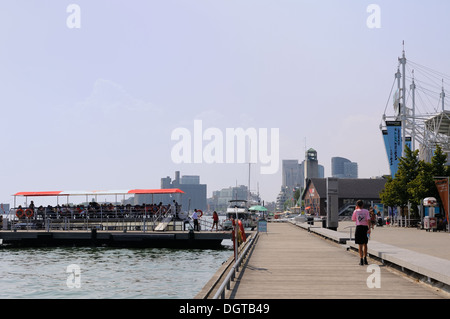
[[343, 168], [194, 193], [294, 175], [220, 199]]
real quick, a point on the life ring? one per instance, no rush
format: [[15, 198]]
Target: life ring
[[241, 237], [155, 208], [242, 231], [19, 213], [29, 213], [164, 209], [201, 213]]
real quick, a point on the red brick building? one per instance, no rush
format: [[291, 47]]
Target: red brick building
[[349, 191]]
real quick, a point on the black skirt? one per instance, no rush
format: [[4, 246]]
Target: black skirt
[[361, 234]]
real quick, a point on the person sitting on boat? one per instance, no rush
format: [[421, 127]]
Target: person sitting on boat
[[81, 210], [41, 211], [49, 212], [62, 211]]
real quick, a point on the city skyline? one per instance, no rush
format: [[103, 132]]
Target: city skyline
[[93, 91]]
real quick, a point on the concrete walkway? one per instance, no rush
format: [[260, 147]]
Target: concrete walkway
[[289, 262], [435, 244]]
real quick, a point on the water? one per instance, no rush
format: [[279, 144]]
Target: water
[[107, 272]]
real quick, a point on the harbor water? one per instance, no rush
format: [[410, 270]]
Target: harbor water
[[105, 272], [100, 272]]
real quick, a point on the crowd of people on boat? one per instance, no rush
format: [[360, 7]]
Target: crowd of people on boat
[[97, 210]]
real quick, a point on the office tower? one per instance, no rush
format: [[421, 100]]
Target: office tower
[[343, 168]]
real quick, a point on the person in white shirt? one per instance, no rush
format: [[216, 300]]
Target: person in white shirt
[[195, 218]]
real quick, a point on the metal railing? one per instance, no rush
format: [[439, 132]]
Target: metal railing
[[226, 284], [118, 218], [66, 218], [351, 228]]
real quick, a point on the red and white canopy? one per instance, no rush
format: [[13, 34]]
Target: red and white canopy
[[100, 192]]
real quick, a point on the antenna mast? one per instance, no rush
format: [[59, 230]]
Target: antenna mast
[[402, 61], [413, 89]]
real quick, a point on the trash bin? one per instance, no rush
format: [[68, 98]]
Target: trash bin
[[324, 223]]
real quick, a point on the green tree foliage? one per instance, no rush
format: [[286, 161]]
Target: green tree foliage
[[414, 179], [297, 195], [422, 186], [438, 162]]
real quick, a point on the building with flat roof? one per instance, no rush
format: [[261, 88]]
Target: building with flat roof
[[343, 168], [194, 196], [349, 191], [220, 199]]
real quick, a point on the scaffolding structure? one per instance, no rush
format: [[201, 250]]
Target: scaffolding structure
[[419, 118]]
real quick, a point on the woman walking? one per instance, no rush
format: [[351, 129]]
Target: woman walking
[[361, 217]]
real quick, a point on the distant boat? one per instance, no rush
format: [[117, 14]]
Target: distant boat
[[239, 207]]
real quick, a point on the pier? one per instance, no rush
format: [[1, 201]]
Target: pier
[[107, 224], [128, 239], [301, 261]]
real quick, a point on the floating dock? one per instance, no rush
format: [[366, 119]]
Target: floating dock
[[128, 239]]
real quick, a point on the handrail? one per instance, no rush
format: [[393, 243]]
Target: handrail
[[209, 224], [120, 217], [351, 227], [47, 218], [231, 274]]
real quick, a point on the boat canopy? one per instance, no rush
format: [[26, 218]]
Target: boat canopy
[[100, 192]]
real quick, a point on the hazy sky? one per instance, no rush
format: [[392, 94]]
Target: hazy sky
[[90, 97]]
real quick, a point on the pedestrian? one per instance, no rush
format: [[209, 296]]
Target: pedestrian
[[215, 221], [361, 217], [373, 218], [195, 218]]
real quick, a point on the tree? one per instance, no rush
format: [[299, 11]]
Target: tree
[[422, 186], [395, 192], [414, 179], [297, 195], [439, 169], [389, 195], [439, 161]]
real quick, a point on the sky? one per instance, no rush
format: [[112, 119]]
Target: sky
[[93, 90]]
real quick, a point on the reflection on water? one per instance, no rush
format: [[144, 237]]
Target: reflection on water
[[107, 272]]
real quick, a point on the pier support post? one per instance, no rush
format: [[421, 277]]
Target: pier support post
[[94, 236]]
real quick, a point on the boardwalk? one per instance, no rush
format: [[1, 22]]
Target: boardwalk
[[291, 263]]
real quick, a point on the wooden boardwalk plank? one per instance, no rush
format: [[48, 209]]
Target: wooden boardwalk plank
[[291, 263]]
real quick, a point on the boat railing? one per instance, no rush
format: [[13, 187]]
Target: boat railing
[[114, 218], [162, 213], [206, 224], [76, 217]]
